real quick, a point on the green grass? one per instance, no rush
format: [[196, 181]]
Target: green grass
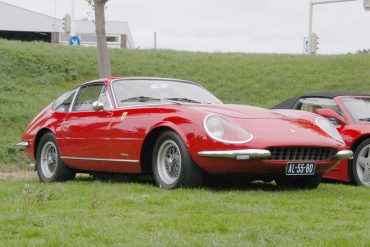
[[92, 213], [34, 74]]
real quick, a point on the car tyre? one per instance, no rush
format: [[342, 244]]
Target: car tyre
[[173, 166], [50, 167], [360, 165], [299, 182]]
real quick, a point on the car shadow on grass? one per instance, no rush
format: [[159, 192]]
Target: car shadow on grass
[[214, 183]]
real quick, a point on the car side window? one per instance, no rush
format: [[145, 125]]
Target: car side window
[[87, 95], [312, 104], [63, 103]]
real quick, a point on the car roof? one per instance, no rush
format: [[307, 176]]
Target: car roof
[[331, 95], [290, 103], [111, 79]]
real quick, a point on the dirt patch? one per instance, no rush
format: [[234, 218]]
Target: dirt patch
[[15, 172], [17, 175]]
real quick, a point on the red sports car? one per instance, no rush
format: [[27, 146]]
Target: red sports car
[[178, 131], [350, 113]]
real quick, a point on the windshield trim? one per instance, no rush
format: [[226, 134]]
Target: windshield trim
[[164, 102]]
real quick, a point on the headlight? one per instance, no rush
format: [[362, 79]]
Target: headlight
[[329, 128], [224, 130]]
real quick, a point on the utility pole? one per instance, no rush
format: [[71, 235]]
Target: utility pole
[[73, 22], [311, 46], [155, 40]]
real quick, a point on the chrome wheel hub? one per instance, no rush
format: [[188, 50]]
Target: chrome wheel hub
[[363, 165], [169, 162], [49, 159]]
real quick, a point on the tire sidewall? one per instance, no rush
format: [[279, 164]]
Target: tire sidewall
[[185, 159], [355, 178], [45, 139]]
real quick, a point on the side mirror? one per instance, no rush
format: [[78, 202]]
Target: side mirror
[[331, 114], [97, 106]]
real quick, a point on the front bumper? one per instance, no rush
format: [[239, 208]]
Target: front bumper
[[243, 154], [246, 154], [344, 154], [21, 146]]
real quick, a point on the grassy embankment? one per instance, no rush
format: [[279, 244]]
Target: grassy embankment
[[34, 74], [89, 213]]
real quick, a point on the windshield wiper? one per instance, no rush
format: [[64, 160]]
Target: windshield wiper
[[364, 119], [140, 99], [185, 100]]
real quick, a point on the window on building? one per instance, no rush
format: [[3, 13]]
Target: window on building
[[112, 39]]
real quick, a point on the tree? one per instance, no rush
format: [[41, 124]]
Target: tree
[[103, 53]]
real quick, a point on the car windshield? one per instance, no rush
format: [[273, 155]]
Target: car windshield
[[141, 91], [359, 108]]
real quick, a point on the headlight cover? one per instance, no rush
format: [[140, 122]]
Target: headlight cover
[[226, 131], [329, 128]]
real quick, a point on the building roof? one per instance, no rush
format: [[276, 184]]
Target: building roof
[[15, 18]]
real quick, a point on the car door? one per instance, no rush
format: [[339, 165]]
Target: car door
[[85, 131]]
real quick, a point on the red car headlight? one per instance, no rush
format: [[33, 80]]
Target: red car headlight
[[224, 130]]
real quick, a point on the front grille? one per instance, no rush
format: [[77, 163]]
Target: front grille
[[301, 153]]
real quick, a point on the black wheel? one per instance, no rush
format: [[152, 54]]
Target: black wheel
[[360, 165], [299, 182], [173, 166], [50, 166]]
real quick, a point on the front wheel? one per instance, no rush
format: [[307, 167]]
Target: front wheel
[[360, 165], [50, 166], [173, 166], [299, 182]]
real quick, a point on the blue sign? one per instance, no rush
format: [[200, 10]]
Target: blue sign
[[74, 40]]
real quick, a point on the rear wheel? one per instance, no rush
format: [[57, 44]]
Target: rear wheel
[[299, 182], [360, 165], [173, 166], [50, 166]]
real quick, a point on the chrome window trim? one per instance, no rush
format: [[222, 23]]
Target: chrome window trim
[[74, 99], [100, 159]]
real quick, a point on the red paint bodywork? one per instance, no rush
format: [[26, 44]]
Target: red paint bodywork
[[103, 135], [352, 133]]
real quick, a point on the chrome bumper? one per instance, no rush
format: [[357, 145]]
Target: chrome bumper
[[244, 154], [344, 154], [247, 154], [22, 146]]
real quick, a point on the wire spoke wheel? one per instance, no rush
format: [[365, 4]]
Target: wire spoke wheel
[[172, 164], [169, 162], [49, 159], [363, 165]]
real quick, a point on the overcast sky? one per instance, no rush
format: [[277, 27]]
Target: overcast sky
[[267, 26]]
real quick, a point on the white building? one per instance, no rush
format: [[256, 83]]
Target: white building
[[17, 23]]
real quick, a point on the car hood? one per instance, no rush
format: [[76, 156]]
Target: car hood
[[239, 111], [275, 127]]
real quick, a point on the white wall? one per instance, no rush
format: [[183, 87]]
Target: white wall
[[14, 18]]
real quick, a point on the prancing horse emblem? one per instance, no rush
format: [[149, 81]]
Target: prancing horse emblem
[[124, 114]]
